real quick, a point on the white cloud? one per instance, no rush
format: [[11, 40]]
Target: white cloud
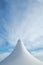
[[40, 0], [25, 23], [38, 55], [30, 28]]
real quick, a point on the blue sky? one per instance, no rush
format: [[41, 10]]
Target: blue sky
[[22, 19]]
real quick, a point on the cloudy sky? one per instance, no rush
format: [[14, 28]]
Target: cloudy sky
[[22, 19]]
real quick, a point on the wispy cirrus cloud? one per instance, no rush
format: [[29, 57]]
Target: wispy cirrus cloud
[[21, 19]]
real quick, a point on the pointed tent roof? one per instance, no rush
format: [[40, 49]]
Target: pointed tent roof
[[20, 56]]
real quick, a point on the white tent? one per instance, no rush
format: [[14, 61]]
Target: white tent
[[20, 56]]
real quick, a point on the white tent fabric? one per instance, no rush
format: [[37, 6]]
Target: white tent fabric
[[20, 56]]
